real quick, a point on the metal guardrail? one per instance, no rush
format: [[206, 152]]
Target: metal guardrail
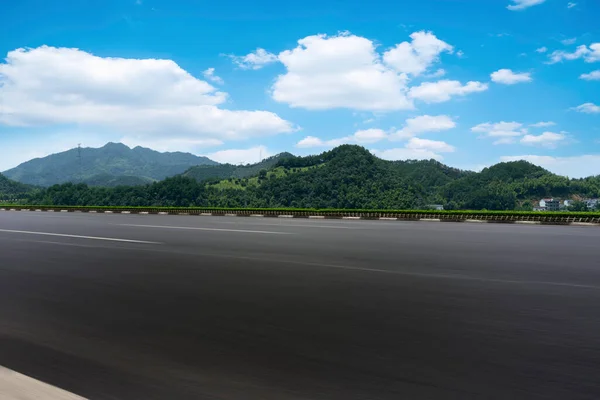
[[405, 216]]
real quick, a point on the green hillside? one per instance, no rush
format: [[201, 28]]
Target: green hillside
[[223, 171], [348, 177], [113, 160], [10, 189]]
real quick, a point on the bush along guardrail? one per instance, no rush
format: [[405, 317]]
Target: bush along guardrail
[[554, 218]]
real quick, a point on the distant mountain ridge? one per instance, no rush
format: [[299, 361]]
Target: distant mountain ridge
[[111, 165]]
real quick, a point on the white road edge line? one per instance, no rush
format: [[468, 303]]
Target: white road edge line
[[18, 386], [78, 236], [192, 228]]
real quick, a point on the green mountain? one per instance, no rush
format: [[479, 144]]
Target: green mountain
[[346, 177], [107, 165], [10, 189], [223, 171]]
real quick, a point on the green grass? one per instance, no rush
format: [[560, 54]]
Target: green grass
[[235, 183]]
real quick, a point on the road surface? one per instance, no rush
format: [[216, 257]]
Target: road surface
[[180, 307]]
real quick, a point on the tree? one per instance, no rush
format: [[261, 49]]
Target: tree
[[578, 206]]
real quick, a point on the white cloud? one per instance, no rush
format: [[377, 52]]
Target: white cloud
[[422, 124], [546, 139], [365, 136], [543, 124], [210, 75], [430, 145], [588, 108], [240, 156], [369, 135], [343, 71], [575, 167], [170, 144], [589, 54], [440, 91], [416, 56], [437, 74], [542, 49], [523, 4], [508, 77], [311, 141], [571, 4], [402, 153], [592, 76], [460, 54], [568, 42], [147, 98], [500, 130], [255, 60]]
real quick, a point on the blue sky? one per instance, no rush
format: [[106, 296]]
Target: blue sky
[[467, 82]]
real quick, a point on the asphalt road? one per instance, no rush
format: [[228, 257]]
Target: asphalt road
[[175, 307]]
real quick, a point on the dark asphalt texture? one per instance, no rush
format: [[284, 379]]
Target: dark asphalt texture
[[265, 308]]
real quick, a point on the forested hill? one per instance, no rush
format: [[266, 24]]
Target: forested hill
[[10, 189], [224, 171], [345, 177], [105, 166]]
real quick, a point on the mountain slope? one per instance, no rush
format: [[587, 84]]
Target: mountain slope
[[223, 171], [113, 160], [10, 189]]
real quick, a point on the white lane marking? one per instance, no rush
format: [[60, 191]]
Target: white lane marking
[[528, 222], [14, 385], [78, 236], [207, 229], [294, 225], [430, 220], [476, 221]]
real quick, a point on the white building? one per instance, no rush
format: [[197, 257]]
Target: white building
[[550, 204]]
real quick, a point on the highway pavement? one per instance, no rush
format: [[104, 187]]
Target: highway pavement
[[189, 307]]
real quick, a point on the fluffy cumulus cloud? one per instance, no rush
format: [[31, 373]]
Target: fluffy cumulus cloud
[[444, 90], [543, 124], [417, 149], [574, 167], [542, 49], [546, 139], [146, 98], [501, 132], [587, 108], [518, 5], [508, 77], [589, 54], [430, 145], [210, 75], [254, 60], [416, 56], [366, 136], [240, 156], [347, 71], [343, 71], [592, 76], [568, 41], [423, 124]]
